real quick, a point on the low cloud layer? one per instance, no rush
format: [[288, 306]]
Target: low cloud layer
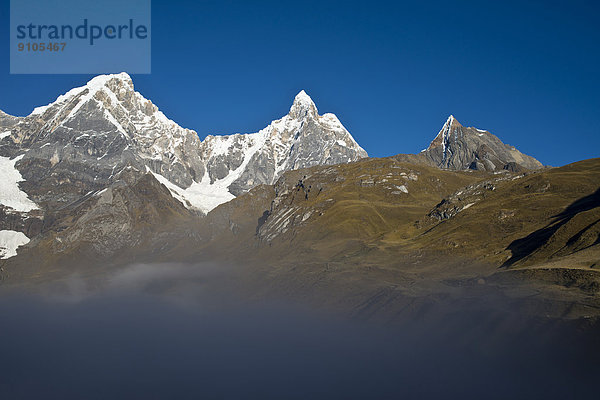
[[169, 331]]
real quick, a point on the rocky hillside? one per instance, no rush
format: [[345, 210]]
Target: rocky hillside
[[380, 230], [503, 218]]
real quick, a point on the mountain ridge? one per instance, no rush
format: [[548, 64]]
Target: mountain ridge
[[107, 125]]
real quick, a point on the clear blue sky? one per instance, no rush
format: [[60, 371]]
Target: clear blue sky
[[391, 71]]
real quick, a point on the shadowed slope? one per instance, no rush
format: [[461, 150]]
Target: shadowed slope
[[579, 213]]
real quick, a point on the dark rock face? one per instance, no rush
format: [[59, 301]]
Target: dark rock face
[[131, 210], [457, 147], [513, 167], [31, 225]]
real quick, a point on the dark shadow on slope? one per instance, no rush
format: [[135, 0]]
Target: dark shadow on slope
[[524, 247], [262, 220], [574, 239]]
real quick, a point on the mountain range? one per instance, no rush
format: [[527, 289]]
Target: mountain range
[[101, 178], [97, 130]]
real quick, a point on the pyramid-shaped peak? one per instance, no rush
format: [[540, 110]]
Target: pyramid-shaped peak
[[303, 105], [451, 121], [302, 96], [450, 124]]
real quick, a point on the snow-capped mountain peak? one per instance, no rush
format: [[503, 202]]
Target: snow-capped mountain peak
[[127, 109], [91, 88], [88, 135], [300, 139], [303, 106]]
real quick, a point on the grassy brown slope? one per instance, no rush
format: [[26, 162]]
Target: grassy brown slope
[[383, 234], [379, 208], [349, 234], [323, 211], [322, 231], [526, 221]]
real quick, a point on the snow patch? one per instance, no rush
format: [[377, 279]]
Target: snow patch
[[10, 241], [201, 196], [4, 134], [10, 193], [204, 195]]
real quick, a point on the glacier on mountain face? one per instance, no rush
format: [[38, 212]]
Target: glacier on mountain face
[[10, 193], [10, 241]]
